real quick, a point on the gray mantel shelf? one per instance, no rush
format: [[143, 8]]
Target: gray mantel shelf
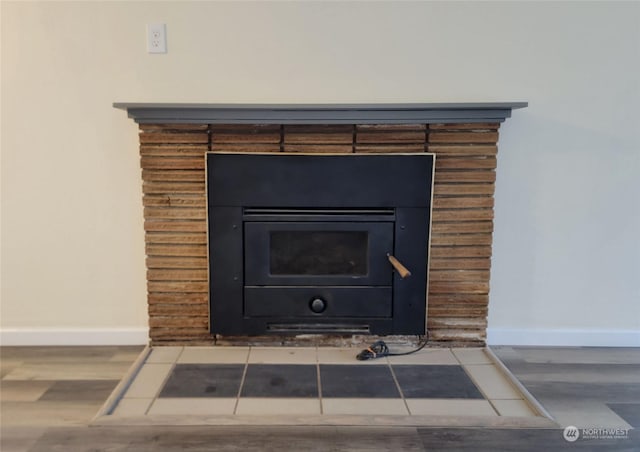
[[408, 113]]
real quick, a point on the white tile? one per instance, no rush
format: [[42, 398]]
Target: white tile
[[373, 407], [450, 407], [276, 406], [491, 382], [513, 408], [193, 406], [471, 355], [432, 356], [283, 355], [164, 355], [331, 355], [214, 355], [149, 381], [132, 407]]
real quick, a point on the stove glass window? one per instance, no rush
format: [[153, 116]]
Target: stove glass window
[[319, 253]]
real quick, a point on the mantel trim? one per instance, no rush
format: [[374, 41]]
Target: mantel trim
[[144, 113]]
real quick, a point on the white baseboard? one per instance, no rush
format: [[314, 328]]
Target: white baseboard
[[563, 337], [74, 336]]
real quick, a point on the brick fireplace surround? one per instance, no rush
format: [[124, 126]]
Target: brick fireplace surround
[[175, 137]]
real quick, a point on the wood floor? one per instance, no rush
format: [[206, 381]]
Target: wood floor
[[49, 395]]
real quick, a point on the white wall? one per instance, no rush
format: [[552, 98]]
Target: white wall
[[566, 265]]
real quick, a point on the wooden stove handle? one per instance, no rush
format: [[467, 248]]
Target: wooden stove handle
[[401, 269]]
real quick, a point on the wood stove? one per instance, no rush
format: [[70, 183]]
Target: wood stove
[[303, 243]]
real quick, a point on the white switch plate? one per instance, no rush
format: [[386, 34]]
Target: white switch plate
[[156, 38]]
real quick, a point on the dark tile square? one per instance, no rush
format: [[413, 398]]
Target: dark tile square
[[355, 381], [204, 380], [79, 390], [280, 380], [435, 382], [630, 412]]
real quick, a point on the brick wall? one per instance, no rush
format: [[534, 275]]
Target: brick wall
[[173, 173]]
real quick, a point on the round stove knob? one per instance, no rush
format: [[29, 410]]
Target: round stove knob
[[317, 305]]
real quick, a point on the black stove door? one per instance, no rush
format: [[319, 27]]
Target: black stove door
[[318, 253]]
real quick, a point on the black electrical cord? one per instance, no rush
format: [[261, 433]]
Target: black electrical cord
[[379, 349]]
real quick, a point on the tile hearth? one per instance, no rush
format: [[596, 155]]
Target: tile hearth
[[318, 382]]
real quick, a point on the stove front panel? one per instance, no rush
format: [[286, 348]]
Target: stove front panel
[[317, 261]]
